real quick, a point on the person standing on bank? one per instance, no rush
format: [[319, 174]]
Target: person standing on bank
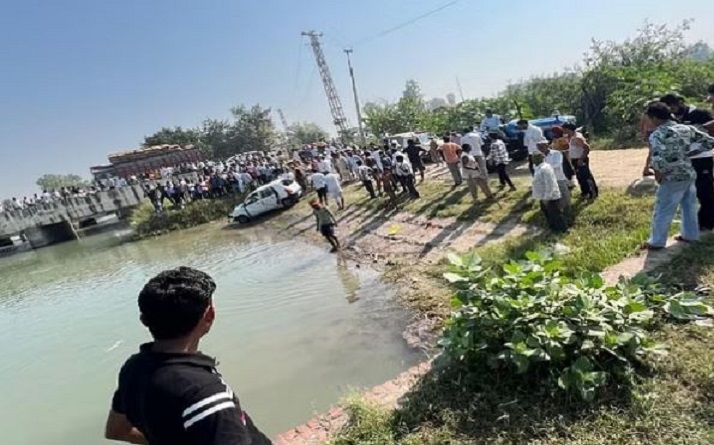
[[554, 158], [451, 156], [169, 393], [671, 146], [547, 193], [404, 170], [365, 174], [531, 136], [319, 184], [326, 223], [474, 139], [475, 177], [703, 164], [498, 154], [579, 151], [414, 152]]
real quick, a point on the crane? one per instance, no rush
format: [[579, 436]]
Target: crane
[[333, 99]]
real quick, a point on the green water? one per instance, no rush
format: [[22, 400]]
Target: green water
[[297, 328]]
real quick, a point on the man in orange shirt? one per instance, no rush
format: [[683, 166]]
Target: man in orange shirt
[[451, 152]]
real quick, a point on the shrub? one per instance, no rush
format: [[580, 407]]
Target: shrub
[[574, 332]]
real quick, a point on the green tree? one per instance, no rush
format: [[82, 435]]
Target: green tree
[[301, 133], [53, 181], [253, 129]]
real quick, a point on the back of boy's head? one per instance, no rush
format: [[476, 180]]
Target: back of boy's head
[[174, 302]]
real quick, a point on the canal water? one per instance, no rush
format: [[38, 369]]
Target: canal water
[[297, 328]]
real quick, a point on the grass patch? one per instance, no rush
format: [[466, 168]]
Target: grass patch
[[603, 233], [610, 143]]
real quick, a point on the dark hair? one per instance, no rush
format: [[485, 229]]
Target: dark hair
[[410, 142], [466, 148], [710, 90], [447, 138], [671, 99], [467, 130], [700, 117], [522, 122], [173, 302], [659, 110], [569, 126]]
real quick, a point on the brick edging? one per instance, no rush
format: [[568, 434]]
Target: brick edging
[[323, 426]]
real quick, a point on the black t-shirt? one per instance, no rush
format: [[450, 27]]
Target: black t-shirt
[[180, 399], [683, 115], [414, 153]]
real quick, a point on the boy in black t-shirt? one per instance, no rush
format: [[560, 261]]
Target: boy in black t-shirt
[[169, 393]]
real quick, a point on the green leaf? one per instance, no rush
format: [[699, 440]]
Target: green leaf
[[512, 268], [455, 260], [454, 277], [521, 362], [534, 256]]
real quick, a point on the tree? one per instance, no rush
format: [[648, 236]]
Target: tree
[[55, 182], [301, 133], [178, 136], [253, 129]]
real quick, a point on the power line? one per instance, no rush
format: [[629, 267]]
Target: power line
[[405, 24]]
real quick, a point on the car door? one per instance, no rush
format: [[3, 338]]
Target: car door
[[254, 205], [269, 198]]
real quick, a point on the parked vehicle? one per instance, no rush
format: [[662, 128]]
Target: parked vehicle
[[279, 194]]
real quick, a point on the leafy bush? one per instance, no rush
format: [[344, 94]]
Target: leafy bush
[[147, 222], [527, 317]]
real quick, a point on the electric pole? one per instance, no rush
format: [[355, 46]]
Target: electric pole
[[362, 139], [338, 115]]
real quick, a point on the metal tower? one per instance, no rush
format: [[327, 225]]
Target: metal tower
[[332, 98], [283, 120]]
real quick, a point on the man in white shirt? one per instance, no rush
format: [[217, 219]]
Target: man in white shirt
[[531, 136], [404, 170], [325, 165], [474, 139], [320, 185], [491, 122], [554, 158], [547, 192], [334, 189]]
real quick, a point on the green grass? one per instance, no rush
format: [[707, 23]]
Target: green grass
[[603, 233]]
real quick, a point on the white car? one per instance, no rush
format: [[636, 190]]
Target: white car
[[279, 194]]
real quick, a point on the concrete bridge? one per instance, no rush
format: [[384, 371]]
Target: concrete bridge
[[58, 221]]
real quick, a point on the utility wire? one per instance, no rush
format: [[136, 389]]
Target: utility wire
[[405, 24]]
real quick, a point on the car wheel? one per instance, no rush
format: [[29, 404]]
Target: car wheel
[[289, 201], [242, 219]]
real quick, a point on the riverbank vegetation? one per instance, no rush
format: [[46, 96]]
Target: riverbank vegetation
[[653, 390], [146, 222], [606, 91]]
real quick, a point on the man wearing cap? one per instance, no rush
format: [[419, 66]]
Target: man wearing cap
[[547, 192]]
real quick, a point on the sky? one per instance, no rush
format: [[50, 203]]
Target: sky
[[85, 78]]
